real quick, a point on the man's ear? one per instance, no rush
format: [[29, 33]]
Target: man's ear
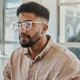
[[45, 28]]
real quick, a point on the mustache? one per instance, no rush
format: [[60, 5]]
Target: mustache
[[25, 35]]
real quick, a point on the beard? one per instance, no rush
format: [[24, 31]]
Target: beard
[[30, 43]]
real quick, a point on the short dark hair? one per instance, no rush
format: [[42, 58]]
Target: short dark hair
[[33, 7]]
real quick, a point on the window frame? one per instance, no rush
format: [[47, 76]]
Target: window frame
[[2, 28], [61, 29]]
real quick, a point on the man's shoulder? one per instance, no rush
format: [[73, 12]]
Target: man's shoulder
[[63, 52], [64, 56], [17, 53], [18, 50]]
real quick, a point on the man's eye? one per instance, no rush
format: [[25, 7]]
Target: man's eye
[[28, 24]]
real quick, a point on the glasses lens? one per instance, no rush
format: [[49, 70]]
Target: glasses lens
[[27, 25], [16, 27]]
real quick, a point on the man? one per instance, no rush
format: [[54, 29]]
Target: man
[[39, 58]]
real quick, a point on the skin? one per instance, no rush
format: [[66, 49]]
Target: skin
[[37, 30]]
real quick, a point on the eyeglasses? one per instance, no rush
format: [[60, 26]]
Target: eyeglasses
[[27, 25]]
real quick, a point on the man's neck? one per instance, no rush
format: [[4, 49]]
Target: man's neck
[[38, 47]]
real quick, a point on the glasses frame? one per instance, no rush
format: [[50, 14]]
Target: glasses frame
[[22, 25]]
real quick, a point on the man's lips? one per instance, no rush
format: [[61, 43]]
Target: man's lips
[[23, 37]]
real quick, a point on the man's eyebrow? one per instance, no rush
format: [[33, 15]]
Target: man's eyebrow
[[24, 21], [27, 20]]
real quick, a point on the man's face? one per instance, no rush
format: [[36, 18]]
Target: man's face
[[32, 36]]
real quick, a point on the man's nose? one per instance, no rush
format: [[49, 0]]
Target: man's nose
[[22, 30]]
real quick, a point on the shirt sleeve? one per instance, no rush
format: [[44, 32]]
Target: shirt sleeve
[[70, 71], [7, 73]]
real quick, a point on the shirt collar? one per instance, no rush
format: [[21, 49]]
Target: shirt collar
[[43, 52]]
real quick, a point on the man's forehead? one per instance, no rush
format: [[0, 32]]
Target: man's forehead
[[31, 16], [25, 14]]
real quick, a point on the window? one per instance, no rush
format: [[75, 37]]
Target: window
[[69, 24], [8, 38]]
